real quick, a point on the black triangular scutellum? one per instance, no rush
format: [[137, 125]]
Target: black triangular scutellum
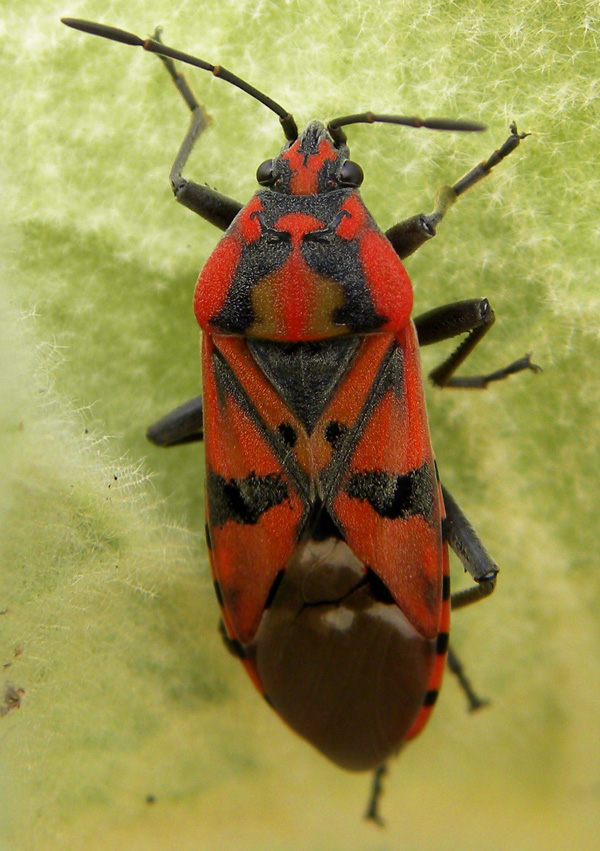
[[305, 374]]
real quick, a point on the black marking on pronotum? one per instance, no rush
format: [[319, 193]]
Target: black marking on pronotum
[[207, 536], [445, 588], [441, 645], [430, 697], [305, 375], [258, 259], [339, 260], [394, 495], [333, 258], [243, 500]]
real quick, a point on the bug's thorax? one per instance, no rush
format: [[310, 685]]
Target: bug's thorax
[[304, 259]]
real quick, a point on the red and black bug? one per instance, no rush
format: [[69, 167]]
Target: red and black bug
[[327, 526]]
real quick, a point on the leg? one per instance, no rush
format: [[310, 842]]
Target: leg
[[454, 663], [473, 317], [410, 234], [182, 425], [217, 209], [476, 560], [372, 811]]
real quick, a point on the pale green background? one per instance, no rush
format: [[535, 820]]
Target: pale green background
[[110, 617]]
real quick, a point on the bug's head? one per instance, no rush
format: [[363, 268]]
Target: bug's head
[[317, 161], [311, 164], [314, 162]]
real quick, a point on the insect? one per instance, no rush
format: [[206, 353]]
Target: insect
[[327, 526]]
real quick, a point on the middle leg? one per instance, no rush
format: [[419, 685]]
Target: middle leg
[[473, 317]]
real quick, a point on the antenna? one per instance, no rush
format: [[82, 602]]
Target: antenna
[[153, 46], [339, 136]]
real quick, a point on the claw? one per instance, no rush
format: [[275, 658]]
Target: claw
[[532, 366]]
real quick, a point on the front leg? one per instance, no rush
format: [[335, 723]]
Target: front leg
[[409, 235], [216, 208]]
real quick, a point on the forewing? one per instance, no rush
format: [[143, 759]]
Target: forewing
[[254, 507], [383, 490]]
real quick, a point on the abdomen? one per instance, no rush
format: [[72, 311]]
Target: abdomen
[[338, 660]]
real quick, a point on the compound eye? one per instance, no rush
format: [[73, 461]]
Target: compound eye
[[264, 173], [351, 174]]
